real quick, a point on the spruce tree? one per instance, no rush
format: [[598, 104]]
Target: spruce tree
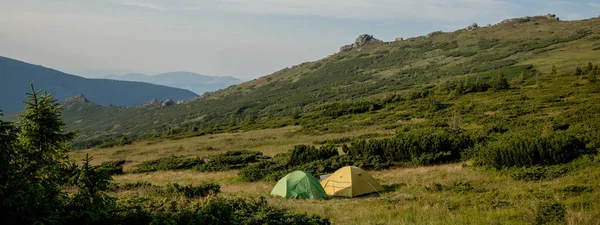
[[500, 83], [38, 164], [7, 144], [90, 204]]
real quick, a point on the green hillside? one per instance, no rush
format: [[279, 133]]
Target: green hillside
[[441, 79]]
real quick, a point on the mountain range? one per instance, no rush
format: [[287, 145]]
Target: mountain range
[[16, 76], [194, 82]]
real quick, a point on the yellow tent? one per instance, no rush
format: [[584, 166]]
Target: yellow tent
[[350, 181]]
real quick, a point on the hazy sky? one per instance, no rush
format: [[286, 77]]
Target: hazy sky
[[240, 38]]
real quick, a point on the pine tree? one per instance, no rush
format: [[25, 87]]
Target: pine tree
[[38, 164], [7, 144], [501, 83], [90, 204]]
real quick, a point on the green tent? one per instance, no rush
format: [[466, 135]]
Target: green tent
[[299, 184]]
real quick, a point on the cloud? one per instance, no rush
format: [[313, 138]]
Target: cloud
[[140, 4], [595, 5], [454, 10]]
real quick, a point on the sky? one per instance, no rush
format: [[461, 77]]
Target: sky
[[240, 38]]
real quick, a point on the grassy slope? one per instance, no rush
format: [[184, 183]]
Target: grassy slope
[[495, 198], [380, 70]]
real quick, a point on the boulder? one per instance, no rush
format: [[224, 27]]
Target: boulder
[[168, 102], [360, 41], [551, 17], [153, 102], [472, 27]]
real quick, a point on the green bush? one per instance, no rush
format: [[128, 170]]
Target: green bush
[[259, 171], [231, 160], [524, 150], [193, 191], [213, 210], [536, 173], [167, 163], [113, 167], [302, 154], [423, 147], [576, 189], [339, 109], [136, 185], [551, 212]]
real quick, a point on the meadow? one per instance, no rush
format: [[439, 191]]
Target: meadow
[[455, 193]]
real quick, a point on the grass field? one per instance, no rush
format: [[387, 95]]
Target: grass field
[[441, 194]]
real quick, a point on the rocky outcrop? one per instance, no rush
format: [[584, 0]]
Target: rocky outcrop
[[168, 102], [79, 98], [528, 18], [551, 17], [472, 27], [360, 41], [153, 102]]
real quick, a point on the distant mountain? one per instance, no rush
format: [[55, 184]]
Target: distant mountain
[[186, 80], [15, 77]]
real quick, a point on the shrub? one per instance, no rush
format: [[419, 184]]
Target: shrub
[[500, 83], [524, 150], [333, 141], [551, 212], [423, 147], [212, 210], [136, 185], [167, 163], [302, 154], [231, 160], [325, 166], [192, 191], [576, 189], [335, 110], [536, 173], [113, 167], [259, 171]]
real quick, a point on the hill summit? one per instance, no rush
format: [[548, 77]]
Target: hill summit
[[515, 71]]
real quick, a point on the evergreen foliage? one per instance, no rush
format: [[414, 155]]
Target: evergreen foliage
[[500, 83], [525, 150], [167, 163], [230, 160], [38, 161]]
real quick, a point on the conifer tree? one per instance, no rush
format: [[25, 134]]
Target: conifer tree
[[501, 83], [38, 164]]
